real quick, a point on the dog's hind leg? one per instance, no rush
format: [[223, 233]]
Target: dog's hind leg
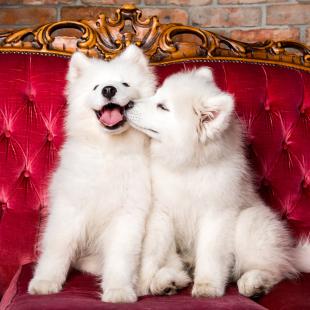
[[263, 250], [171, 277], [157, 243], [254, 283]]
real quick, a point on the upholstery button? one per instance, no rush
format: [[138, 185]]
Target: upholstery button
[[30, 99], [50, 137], [267, 107], [26, 174], [2, 208], [285, 146], [305, 183], [7, 133]]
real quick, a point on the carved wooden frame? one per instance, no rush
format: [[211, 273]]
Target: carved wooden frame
[[107, 36]]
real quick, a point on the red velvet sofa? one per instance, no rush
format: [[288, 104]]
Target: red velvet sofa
[[271, 86]]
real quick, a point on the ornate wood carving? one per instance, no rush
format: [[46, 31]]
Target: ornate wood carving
[[163, 43]]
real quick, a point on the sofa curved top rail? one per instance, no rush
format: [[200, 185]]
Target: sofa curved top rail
[[107, 36]]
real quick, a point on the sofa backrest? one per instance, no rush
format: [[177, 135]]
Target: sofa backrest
[[271, 87], [273, 103]]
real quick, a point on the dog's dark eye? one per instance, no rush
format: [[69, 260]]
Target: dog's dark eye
[[125, 84], [162, 107], [95, 87]]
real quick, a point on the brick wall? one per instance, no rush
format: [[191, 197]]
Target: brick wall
[[247, 20]]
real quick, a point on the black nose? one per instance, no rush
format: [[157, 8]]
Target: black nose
[[109, 91], [130, 105]]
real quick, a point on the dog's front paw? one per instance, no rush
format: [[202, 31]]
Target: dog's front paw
[[43, 287], [119, 295], [168, 281], [255, 283], [206, 289]]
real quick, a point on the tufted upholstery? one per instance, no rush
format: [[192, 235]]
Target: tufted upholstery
[[31, 132], [273, 102]]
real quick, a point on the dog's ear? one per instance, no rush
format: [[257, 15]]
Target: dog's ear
[[77, 64], [134, 54], [205, 72], [214, 116]]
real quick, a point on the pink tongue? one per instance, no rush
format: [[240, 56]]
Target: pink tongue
[[111, 117]]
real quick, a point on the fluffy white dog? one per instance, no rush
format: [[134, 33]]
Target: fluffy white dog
[[206, 213], [100, 193]]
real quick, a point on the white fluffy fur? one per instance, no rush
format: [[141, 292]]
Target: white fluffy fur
[[206, 213], [100, 193], [302, 255]]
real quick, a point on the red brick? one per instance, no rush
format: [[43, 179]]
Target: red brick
[[178, 2], [221, 31], [296, 14], [40, 2], [240, 1], [27, 15], [36, 2], [256, 35], [249, 1], [154, 2], [189, 2], [107, 2], [6, 2], [307, 41], [75, 13], [168, 15], [226, 17]]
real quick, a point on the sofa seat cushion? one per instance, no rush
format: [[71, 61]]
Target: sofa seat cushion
[[289, 295], [82, 291]]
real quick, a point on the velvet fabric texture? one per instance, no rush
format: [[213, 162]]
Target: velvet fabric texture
[[273, 103], [83, 292]]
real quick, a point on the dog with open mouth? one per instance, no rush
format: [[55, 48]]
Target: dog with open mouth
[[111, 115], [99, 195], [206, 213]]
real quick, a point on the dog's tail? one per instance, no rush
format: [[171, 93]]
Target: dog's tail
[[302, 255]]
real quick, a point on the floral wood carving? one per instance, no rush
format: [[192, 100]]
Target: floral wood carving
[[163, 43]]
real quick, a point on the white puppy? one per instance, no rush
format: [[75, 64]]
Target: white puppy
[[206, 213], [100, 193]]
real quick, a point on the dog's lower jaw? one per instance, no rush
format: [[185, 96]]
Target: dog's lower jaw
[[116, 131]]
